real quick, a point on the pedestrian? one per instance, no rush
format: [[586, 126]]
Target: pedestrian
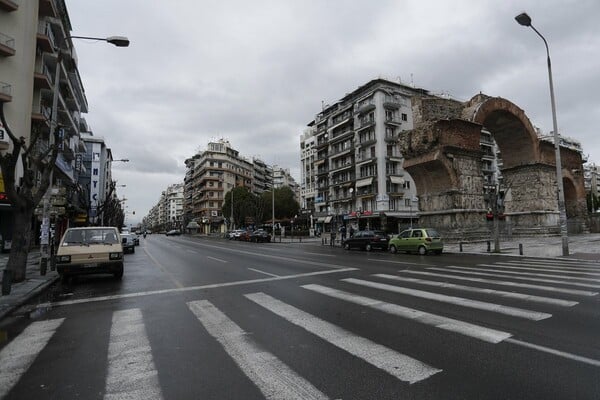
[[351, 231], [332, 241], [343, 232]]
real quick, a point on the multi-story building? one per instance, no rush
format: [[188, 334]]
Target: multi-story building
[[282, 177], [351, 164], [33, 76], [212, 173], [97, 175], [173, 206]]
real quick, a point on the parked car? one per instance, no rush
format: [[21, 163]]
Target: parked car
[[128, 243], [260, 235], [235, 234], [90, 251], [173, 232], [136, 239], [367, 240], [420, 240], [244, 236]]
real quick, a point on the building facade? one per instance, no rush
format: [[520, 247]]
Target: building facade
[[351, 166], [40, 83]]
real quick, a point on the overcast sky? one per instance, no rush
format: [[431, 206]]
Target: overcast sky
[[256, 72]]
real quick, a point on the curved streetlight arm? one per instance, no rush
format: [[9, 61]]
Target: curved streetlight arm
[[525, 20], [119, 41]]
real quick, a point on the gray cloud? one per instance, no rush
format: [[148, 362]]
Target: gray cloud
[[256, 72]]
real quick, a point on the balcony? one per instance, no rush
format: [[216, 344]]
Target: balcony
[[366, 106], [42, 79], [5, 92], [365, 124], [48, 8], [45, 37], [44, 115], [8, 5], [393, 121], [7, 45]]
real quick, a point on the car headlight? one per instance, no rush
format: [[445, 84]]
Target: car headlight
[[64, 259], [115, 256]]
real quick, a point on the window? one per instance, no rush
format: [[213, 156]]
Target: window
[[404, 117], [407, 202], [373, 152]]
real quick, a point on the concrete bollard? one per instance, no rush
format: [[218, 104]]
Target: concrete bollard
[[489, 246], [460, 247], [520, 249]]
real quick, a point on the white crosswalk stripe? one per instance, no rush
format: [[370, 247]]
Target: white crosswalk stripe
[[501, 293], [131, 371], [274, 379], [470, 271], [574, 292], [564, 263], [476, 304], [494, 268], [547, 267], [18, 355], [449, 324], [401, 366]]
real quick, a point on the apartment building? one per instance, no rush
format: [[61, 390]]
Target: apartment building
[[210, 174], [282, 177], [96, 176], [32, 77], [351, 166]]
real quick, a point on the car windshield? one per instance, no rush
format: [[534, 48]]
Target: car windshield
[[77, 237]]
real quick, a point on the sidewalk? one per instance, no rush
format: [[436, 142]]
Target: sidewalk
[[33, 284]]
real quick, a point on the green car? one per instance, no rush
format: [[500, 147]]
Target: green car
[[421, 240]]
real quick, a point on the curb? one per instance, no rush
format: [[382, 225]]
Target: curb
[[24, 299]]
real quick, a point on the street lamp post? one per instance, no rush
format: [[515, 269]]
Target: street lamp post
[[525, 20], [119, 41]]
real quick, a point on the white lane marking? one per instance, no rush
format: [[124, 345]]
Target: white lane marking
[[460, 301], [448, 324], [575, 292], [563, 354], [273, 378], [565, 263], [531, 273], [191, 251], [502, 293], [401, 366], [529, 267], [191, 288], [217, 259], [320, 254], [458, 270], [131, 371], [401, 262], [262, 272], [17, 356]]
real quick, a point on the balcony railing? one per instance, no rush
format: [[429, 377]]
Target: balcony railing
[[9, 5], [7, 45], [5, 92], [47, 40]]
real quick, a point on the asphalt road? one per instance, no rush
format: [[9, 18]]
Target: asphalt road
[[215, 319]]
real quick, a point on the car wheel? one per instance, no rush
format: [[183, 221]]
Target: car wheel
[[422, 250], [347, 246], [393, 249], [119, 274], [368, 247]]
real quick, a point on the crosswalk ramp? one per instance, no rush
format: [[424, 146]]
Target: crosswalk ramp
[[132, 371]]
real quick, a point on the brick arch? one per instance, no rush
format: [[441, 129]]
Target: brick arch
[[510, 127]]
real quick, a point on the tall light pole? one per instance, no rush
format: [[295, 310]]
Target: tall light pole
[[525, 20], [119, 41]]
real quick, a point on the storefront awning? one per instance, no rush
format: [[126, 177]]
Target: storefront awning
[[364, 182], [328, 219], [321, 219], [398, 180]]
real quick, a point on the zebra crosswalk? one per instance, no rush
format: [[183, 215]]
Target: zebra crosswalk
[[410, 295]]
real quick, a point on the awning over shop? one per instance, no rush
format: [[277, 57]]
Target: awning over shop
[[328, 219], [364, 182], [398, 180], [321, 219]]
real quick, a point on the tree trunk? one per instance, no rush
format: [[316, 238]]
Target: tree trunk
[[17, 260]]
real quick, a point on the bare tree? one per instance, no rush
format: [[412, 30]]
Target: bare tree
[[37, 162]]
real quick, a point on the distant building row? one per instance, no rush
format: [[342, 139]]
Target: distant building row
[[210, 175]]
